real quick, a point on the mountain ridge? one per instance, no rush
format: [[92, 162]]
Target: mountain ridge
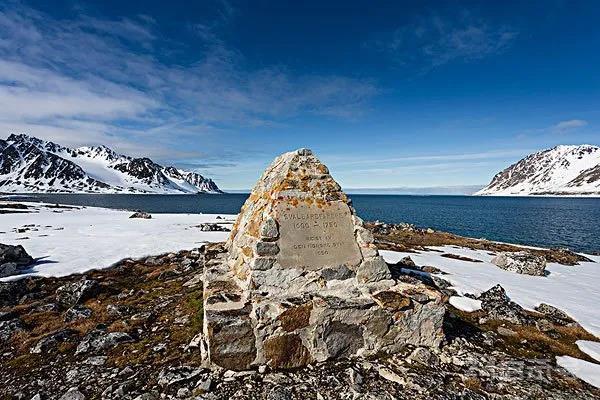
[[564, 170], [29, 164]]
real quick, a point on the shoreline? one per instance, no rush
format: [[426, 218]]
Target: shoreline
[[350, 193]]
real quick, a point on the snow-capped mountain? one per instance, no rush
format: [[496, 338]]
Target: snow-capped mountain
[[28, 164], [562, 170]]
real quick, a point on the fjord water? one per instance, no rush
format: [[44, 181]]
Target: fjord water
[[535, 221]]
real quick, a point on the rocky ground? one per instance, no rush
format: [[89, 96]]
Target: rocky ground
[[131, 332]]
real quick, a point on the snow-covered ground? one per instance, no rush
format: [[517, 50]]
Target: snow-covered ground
[[573, 289], [67, 241]]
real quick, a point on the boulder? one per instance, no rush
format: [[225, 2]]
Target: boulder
[[11, 292], [521, 262], [9, 269], [498, 306], [50, 341], [7, 328], [74, 293], [406, 262], [13, 259], [99, 340], [555, 315], [15, 254]]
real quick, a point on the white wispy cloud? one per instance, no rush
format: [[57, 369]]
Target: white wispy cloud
[[426, 159], [559, 128], [88, 80], [435, 40], [569, 125]]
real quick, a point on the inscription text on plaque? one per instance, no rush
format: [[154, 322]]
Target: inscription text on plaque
[[313, 237]]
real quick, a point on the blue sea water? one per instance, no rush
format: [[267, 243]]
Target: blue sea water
[[535, 221]]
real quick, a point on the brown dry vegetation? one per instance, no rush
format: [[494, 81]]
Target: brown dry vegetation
[[410, 240], [152, 297], [529, 341]]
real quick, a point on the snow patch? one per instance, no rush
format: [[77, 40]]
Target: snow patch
[[68, 241], [584, 370], [465, 303], [573, 289], [592, 349]]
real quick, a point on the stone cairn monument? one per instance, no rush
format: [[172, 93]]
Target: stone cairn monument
[[301, 280]]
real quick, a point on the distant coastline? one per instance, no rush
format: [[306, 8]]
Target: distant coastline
[[459, 190]]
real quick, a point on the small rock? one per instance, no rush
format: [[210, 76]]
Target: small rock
[[209, 227], [159, 347], [279, 393], [147, 396], [373, 270], [304, 152], [203, 385], [73, 394], [99, 340], [126, 371], [49, 307], [114, 310], [355, 378], [77, 312], [420, 355], [431, 270], [124, 388], [266, 249], [506, 332], [407, 262], [391, 376], [141, 214], [195, 342], [544, 325], [174, 375], [262, 263], [269, 229], [97, 360], [228, 374], [184, 320]]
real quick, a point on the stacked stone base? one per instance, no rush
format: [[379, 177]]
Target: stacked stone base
[[344, 319]]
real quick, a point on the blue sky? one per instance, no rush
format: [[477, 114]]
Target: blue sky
[[389, 94]]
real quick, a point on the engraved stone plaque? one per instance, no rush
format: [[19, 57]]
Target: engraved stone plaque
[[313, 237]]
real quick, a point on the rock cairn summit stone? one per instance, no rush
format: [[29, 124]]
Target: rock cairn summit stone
[[302, 281]]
